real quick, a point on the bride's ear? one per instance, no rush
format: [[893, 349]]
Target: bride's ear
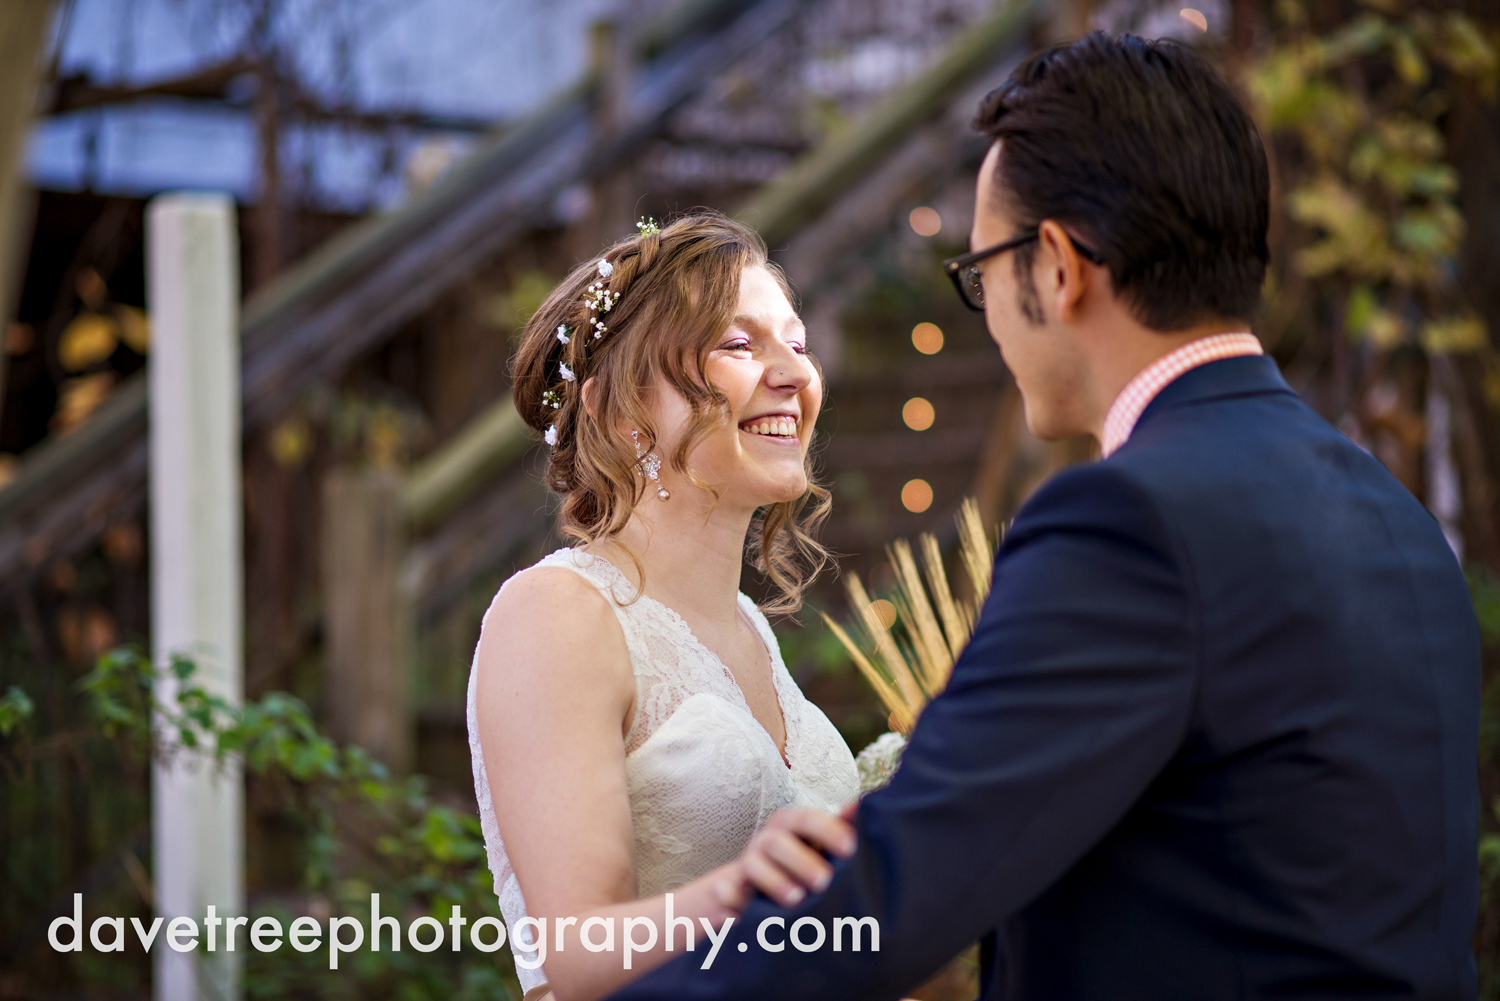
[[587, 390]]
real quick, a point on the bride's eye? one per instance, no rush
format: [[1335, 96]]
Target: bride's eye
[[801, 349], [738, 344]]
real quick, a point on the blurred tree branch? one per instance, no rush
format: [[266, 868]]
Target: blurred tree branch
[[23, 30]]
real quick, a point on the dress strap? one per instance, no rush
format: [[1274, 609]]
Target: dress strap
[[601, 573]]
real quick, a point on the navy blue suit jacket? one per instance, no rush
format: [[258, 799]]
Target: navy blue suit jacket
[[1214, 737]]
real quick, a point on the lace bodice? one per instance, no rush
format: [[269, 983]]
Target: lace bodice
[[701, 771]]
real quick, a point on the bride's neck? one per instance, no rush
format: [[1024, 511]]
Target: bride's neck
[[691, 552]]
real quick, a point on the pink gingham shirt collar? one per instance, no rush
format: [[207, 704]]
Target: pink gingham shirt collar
[[1140, 391]]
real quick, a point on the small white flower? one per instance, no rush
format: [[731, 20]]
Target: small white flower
[[566, 372], [605, 268], [562, 334], [550, 437], [879, 761]]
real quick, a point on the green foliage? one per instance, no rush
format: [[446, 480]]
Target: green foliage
[[1370, 181], [1485, 590], [362, 830], [811, 650], [1489, 868], [1354, 112], [15, 709]]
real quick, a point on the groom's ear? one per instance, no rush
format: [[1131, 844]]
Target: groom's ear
[[1068, 284]]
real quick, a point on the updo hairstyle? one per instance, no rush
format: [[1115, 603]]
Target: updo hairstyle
[[665, 301]]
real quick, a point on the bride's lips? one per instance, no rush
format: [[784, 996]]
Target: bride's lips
[[777, 427]]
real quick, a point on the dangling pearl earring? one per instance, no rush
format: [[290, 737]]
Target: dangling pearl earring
[[650, 464]]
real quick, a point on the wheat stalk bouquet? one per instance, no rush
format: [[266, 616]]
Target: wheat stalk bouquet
[[908, 667]]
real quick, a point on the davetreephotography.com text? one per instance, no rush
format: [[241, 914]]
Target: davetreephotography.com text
[[427, 934]]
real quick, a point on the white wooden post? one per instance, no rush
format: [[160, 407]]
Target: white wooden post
[[197, 813]]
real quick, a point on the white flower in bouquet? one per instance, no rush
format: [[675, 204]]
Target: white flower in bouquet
[[878, 761]]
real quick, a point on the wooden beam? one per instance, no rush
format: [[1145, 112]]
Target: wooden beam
[[209, 87], [478, 208], [813, 182], [79, 91], [475, 540], [446, 478], [354, 292]]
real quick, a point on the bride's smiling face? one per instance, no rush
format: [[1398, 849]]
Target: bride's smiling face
[[774, 394]]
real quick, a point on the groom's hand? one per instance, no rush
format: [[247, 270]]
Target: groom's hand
[[783, 859]]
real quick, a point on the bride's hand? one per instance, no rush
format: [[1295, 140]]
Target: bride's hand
[[782, 859]]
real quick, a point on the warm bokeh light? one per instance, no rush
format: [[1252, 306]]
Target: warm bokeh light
[[1194, 17], [918, 414], [927, 338], [916, 496], [925, 221], [885, 611]]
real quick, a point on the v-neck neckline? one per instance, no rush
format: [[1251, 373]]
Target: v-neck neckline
[[784, 751]]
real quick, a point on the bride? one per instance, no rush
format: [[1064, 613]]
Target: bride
[[632, 726]]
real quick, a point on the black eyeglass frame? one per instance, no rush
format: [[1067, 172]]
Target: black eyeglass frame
[[955, 267]]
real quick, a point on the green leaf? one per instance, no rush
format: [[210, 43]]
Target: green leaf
[[1484, 591], [1469, 53], [1409, 62], [1454, 335], [1428, 232], [15, 709], [1359, 310], [1363, 36], [1435, 180]]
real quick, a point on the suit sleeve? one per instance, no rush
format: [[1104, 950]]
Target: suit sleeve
[[1073, 693]]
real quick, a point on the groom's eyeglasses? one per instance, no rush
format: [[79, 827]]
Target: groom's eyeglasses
[[964, 270]]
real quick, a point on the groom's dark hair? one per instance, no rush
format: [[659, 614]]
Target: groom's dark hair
[[1144, 151]]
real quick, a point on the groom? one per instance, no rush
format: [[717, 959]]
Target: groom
[[1215, 734]]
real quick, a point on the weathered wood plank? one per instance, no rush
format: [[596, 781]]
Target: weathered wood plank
[[816, 180], [447, 477], [366, 628]]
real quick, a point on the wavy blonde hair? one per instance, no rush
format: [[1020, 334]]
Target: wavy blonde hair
[[678, 292]]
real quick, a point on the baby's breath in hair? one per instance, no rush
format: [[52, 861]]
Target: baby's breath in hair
[[670, 293]]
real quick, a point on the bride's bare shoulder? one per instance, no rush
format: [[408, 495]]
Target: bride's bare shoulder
[[552, 615], [538, 587]]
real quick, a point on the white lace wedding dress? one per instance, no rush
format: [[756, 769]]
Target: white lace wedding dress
[[702, 772]]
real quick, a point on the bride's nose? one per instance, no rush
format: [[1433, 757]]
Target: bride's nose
[[788, 371]]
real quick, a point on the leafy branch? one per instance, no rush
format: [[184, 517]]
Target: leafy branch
[[364, 831], [1366, 172]]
